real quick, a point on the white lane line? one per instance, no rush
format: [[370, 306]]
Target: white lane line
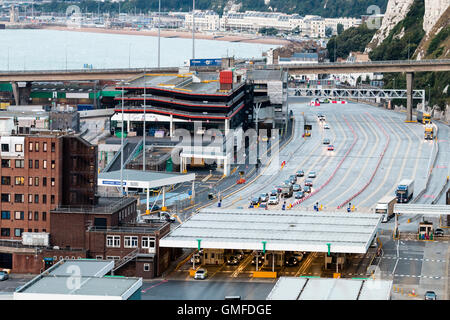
[[356, 160], [390, 165]]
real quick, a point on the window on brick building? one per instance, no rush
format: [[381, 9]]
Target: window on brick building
[[19, 148], [53, 164], [5, 232], [52, 180], [20, 181], [30, 198], [44, 164], [30, 215], [44, 216], [37, 146], [148, 242], [36, 164], [36, 181], [6, 215], [30, 146], [20, 163], [30, 164], [44, 147], [146, 267], [36, 216], [130, 242], [52, 199], [6, 197], [44, 198], [18, 215], [30, 181], [53, 147], [44, 230], [36, 230], [6, 181], [30, 230], [5, 147], [113, 241], [44, 181], [18, 232], [19, 197], [36, 198], [6, 163]]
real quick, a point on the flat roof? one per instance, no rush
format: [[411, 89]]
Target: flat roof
[[142, 179], [89, 288], [290, 230], [425, 209], [180, 82], [74, 279], [292, 288], [88, 268]]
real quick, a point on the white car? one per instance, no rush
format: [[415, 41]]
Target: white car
[[326, 126], [201, 274], [273, 200], [312, 174]]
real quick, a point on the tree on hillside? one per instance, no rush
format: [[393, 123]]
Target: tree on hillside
[[340, 28]]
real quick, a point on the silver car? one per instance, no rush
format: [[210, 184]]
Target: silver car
[[4, 275], [201, 274]]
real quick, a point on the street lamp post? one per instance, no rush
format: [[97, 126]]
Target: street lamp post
[[121, 144], [193, 29], [144, 132], [159, 34]]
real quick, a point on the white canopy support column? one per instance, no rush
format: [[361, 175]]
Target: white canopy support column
[[164, 197], [148, 201], [171, 126]]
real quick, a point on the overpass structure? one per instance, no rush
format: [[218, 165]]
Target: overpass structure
[[407, 66], [358, 93]]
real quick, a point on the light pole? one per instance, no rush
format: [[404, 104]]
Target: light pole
[[121, 144], [193, 29], [159, 35], [144, 132], [429, 96], [257, 107]]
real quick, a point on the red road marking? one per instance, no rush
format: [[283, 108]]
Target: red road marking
[[155, 285], [428, 196], [441, 167]]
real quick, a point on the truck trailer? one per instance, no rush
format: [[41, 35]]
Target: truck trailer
[[405, 190], [385, 207]]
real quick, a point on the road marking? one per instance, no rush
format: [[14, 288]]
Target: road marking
[[356, 159], [390, 166], [155, 285]]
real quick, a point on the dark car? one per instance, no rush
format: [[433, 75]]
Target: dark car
[[439, 232], [307, 189], [300, 173], [255, 200], [260, 258], [291, 261], [233, 260], [299, 195]]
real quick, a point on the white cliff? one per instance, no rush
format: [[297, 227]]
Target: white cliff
[[433, 11], [396, 11]]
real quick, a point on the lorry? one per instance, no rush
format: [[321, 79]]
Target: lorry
[[423, 117], [385, 207], [429, 132], [405, 190]]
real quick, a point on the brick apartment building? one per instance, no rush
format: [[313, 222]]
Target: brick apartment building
[[39, 173]]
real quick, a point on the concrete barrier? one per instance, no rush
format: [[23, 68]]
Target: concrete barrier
[[264, 274], [96, 113]]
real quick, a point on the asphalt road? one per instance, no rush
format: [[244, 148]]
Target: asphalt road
[[204, 290], [360, 133]]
